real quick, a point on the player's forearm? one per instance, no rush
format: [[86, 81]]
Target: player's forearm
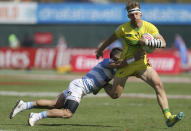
[[116, 64], [108, 89], [157, 42], [130, 60], [163, 44], [103, 45], [123, 63]]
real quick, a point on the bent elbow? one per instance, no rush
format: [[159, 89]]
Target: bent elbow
[[115, 96]]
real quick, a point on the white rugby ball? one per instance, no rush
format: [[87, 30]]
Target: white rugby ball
[[147, 48]]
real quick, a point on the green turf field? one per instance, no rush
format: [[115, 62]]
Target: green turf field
[[96, 113]]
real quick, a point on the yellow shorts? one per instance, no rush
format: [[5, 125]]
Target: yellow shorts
[[133, 68]]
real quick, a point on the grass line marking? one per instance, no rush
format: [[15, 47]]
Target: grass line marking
[[124, 95]]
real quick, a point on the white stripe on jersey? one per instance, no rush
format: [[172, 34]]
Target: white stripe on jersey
[[99, 75], [106, 71]]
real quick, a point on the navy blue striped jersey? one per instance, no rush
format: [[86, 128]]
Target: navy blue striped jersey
[[98, 76]]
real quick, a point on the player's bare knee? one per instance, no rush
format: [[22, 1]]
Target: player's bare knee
[[159, 85]]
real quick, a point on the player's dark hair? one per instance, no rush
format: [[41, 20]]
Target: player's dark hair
[[130, 4], [115, 51]]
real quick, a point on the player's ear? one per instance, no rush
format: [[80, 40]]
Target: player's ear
[[128, 16]]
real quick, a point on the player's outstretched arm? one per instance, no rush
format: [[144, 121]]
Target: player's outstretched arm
[[102, 46], [116, 64]]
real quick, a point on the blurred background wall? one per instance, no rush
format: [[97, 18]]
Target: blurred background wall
[[84, 35], [87, 22], [84, 24]]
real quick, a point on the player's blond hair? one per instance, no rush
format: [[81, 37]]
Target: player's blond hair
[[130, 4]]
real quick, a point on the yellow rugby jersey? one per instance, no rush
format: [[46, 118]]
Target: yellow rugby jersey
[[132, 35]]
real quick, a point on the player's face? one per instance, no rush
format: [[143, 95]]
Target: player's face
[[116, 57], [135, 16]]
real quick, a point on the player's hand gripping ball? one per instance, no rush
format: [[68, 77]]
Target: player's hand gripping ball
[[148, 49]]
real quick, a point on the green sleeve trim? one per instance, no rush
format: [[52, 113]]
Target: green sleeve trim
[[155, 35]]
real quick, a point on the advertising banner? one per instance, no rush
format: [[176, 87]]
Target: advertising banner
[[43, 38], [40, 58], [187, 66], [24, 58], [84, 63], [111, 13], [81, 60], [163, 62], [87, 13], [17, 13], [80, 13], [21, 58], [167, 13]]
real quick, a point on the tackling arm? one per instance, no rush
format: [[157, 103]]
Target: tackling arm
[[121, 63], [108, 89], [102, 46]]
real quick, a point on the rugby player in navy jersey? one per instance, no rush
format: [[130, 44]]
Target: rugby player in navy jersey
[[65, 105]]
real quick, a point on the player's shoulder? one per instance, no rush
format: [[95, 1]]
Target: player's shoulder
[[105, 62], [124, 25], [146, 23]]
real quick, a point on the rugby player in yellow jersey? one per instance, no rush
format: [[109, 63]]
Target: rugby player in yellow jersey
[[132, 35]]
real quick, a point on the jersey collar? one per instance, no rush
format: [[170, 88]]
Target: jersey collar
[[137, 29]]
